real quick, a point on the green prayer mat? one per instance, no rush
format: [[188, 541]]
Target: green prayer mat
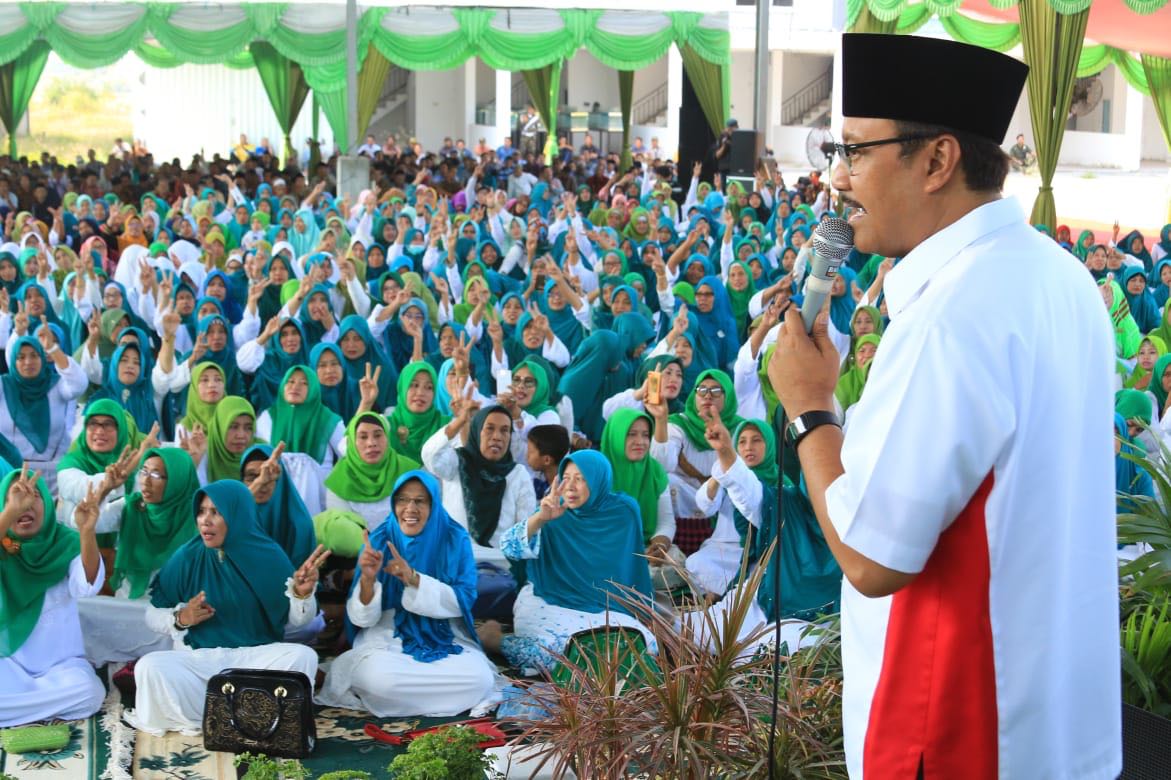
[[341, 744]]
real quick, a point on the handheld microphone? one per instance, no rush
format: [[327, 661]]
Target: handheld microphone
[[832, 241]]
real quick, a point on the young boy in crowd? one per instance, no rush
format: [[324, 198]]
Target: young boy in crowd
[[548, 445]]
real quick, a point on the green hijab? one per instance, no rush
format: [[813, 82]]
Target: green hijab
[[685, 291], [540, 400], [353, 479], [643, 480], [43, 561], [200, 412], [1139, 372], [741, 298], [766, 471], [1156, 385], [850, 385], [80, 456], [151, 533], [222, 464], [693, 425], [410, 430], [1127, 336], [308, 426]]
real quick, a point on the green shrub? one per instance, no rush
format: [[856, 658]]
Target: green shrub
[[452, 753]]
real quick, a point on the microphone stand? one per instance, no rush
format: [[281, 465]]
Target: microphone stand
[[781, 421]]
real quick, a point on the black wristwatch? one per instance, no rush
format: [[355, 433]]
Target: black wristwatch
[[801, 427]]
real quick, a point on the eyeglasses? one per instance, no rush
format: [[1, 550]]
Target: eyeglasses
[[705, 294], [526, 381], [413, 317], [709, 392], [93, 425], [402, 502], [849, 152], [157, 475]]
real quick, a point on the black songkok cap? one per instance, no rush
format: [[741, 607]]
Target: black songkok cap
[[931, 81]]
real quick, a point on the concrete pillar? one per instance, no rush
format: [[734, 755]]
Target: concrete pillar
[[674, 101], [503, 107], [465, 130]]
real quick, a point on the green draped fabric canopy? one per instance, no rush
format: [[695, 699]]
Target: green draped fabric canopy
[[311, 37]]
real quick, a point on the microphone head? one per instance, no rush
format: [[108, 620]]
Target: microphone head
[[833, 238]]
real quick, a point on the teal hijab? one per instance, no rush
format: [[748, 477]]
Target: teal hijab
[[284, 516], [244, 580], [598, 358], [589, 552], [810, 577], [28, 399]]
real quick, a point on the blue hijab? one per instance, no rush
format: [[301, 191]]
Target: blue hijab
[[565, 324], [718, 326], [284, 516], [841, 307], [1129, 477], [375, 355], [224, 358], [443, 551], [588, 552], [1156, 286], [344, 397], [244, 580], [28, 399], [277, 362], [304, 241], [401, 346], [634, 330], [137, 398], [598, 358], [1143, 307], [230, 305], [66, 334], [313, 330]]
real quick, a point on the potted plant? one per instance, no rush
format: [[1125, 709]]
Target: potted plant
[[452, 753], [691, 711]]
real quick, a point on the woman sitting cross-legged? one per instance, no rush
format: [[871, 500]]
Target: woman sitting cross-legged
[[154, 522], [225, 597], [745, 475], [416, 651], [581, 549], [44, 569], [485, 490]]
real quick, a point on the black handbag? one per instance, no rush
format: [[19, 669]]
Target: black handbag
[[260, 711]]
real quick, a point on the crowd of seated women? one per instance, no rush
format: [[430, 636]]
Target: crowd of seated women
[[452, 431]]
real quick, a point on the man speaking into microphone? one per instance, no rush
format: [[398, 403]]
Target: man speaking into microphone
[[973, 521]]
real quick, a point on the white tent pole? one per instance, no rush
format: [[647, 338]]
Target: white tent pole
[[351, 140]]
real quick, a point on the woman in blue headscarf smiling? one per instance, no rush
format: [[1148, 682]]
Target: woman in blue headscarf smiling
[[339, 391], [416, 651], [221, 351], [305, 233], [1142, 303], [40, 392], [360, 349], [717, 322], [582, 549], [227, 595]]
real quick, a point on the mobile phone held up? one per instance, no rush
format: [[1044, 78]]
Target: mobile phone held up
[[503, 381], [654, 390]]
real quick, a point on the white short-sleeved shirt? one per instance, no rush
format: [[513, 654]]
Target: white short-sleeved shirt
[[1001, 658]]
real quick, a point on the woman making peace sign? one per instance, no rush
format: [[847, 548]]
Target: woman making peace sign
[[416, 651]]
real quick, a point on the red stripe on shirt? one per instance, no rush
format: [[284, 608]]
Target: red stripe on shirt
[[936, 693]]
